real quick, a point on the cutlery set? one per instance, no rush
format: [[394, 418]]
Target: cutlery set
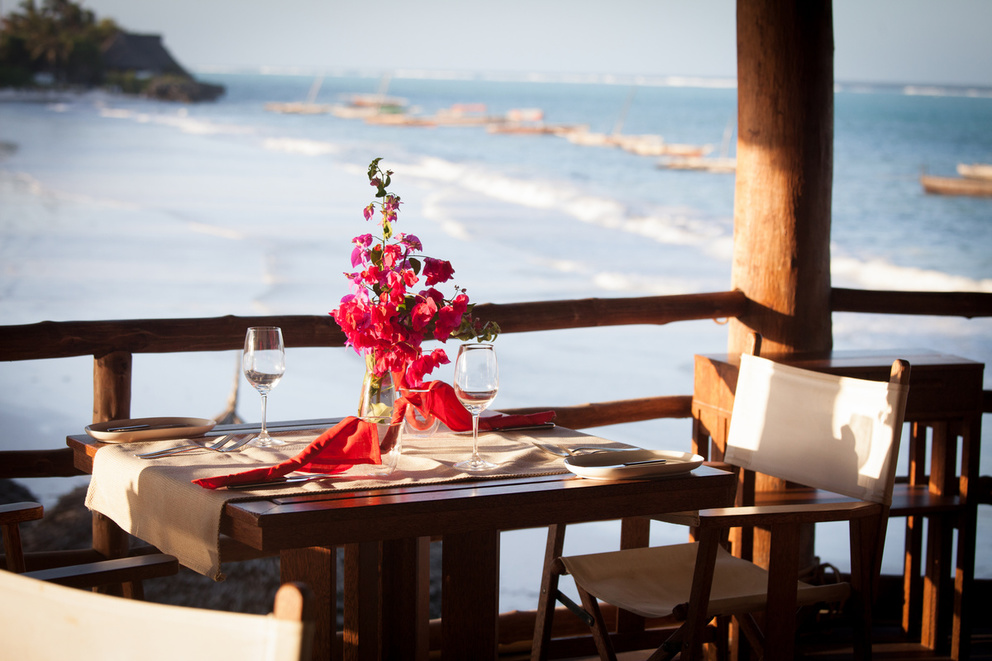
[[221, 445]]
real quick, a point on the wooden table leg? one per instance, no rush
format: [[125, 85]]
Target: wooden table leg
[[317, 568], [470, 595], [387, 600], [406, 599], [362, 602], [111, 541]]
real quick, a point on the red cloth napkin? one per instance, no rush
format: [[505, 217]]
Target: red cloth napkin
[[354, 441], [439, 400]]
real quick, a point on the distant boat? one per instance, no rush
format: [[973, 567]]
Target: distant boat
[[583, 136], [714, 164], [308, 107], [721, 163], [977, 187], [364, 106], [529, 121], [975, 170], [647, 144], [466, 114]]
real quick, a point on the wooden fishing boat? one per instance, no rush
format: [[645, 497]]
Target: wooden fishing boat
[[975, 187], [718, 164], [308, 107]]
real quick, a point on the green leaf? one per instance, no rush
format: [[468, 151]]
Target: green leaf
[[415, 265], [374, 168]]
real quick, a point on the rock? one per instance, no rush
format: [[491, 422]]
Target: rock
[[186, 90]]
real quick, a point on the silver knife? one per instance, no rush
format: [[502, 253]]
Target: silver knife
[[540, 425], [279, 482]]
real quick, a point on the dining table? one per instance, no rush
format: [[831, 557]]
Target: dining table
[[384, 522]]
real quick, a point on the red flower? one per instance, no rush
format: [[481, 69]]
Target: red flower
[[437, 270], [384, 320]]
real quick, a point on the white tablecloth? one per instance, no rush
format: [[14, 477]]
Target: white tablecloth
[[155, 500]]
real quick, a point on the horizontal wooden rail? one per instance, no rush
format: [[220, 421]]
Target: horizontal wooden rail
[[916, 303], [599, 414], [63, 339]]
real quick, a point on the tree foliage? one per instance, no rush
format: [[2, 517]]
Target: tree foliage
[[59, 38]]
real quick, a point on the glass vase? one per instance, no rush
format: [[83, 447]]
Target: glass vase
[[376, 407]]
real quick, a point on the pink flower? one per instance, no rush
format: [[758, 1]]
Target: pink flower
[[411, 242], [437, 270]]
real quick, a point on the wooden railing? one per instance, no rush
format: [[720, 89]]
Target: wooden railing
[[113, 344]]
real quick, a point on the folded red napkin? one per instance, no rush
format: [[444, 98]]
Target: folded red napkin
[[439, 399], [354, 441]]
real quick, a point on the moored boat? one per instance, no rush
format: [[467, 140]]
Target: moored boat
[[957, 186]]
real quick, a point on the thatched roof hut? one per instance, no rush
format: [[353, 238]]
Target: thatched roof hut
[[144, 56], [141, 53]]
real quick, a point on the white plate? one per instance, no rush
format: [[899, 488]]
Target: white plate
[[149, 429], [623, 466]]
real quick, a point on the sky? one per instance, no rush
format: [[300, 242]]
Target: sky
[[878, 41]]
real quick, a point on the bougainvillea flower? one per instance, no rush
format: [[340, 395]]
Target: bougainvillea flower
[[437, 270], [383, 319]]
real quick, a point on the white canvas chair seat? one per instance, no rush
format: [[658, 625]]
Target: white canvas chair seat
[[655, 582], [46, 622]]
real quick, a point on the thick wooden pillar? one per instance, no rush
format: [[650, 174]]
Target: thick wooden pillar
[[783, 187], [784, 173]]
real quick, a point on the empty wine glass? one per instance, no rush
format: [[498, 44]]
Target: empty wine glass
[[476, 383], [264, 362]]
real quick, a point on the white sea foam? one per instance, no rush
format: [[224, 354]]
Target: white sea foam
[[29, 184], [605, 212], [300, 146], [879, 274], [180, 120]]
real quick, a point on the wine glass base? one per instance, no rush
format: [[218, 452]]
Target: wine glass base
[[265, 442], [475, 464]]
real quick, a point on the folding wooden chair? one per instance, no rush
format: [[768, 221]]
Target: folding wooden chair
[[66, 569], [834, 433], [47, 622]]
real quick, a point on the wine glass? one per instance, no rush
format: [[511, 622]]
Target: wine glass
[[264, 362], [476, 383]]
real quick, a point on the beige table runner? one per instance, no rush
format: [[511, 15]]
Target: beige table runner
[[155, 501]]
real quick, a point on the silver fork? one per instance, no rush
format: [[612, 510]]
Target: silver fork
[[179, 449], [238, 444]]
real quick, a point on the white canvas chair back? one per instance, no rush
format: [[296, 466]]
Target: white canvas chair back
[[42, 621], [823, 431]]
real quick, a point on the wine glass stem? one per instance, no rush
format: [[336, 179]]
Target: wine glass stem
[[475, 436], [264, 431]]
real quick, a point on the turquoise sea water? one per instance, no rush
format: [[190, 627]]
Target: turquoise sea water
[[126, 208]]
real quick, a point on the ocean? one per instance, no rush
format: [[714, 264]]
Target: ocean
[[117, 208]]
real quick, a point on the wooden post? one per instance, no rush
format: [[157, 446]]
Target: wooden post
[[783, 187], [784, 173], [112, 386], [111, 401]]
